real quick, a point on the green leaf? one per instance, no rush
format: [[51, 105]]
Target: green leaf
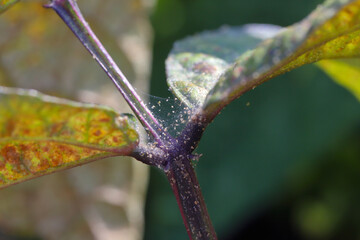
[[346, 72], [6, 4], [195, 63], [40, 134], [331, 31]]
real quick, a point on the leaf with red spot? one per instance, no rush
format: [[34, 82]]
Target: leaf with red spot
[[34, 42], [195, 63], [40, 134]]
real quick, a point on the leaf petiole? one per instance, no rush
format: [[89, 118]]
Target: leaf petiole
[[70, 13]]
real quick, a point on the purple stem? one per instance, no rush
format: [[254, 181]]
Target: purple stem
[[171, 155], [69, 11], [183, 181]]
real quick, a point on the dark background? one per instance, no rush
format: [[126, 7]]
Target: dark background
[[285, 167]]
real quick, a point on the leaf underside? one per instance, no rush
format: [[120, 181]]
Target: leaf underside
[[195, 63], [330, 32], [40, 134]]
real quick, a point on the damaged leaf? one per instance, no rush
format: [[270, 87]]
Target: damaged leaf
[[330, 32], [195, 63], [40, 134]]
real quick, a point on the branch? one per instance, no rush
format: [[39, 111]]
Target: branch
[[70, 13]]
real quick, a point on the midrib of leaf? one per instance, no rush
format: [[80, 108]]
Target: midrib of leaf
[[278, 70]]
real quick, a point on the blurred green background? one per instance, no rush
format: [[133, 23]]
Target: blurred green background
[[281, 162], [287, 166]]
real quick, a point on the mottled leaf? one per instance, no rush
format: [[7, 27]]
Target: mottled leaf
[[195, 63], [346, 72], [109, 193], [6, 4], [331, 31], [40, 134]]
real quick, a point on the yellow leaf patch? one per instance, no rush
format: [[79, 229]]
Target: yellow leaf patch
[[40, 134]]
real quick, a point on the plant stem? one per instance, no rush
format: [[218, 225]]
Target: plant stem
[[69, 11], [193, 131], [171, 155], [183, 181]]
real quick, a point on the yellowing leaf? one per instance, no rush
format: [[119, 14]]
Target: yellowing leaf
[[39, 52], [212, 69], [331, 31], [5, 4], [346, 72], [40, 134]]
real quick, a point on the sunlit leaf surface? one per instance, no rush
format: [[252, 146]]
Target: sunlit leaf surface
[[6, 4], [331, 31], [41, 134]]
